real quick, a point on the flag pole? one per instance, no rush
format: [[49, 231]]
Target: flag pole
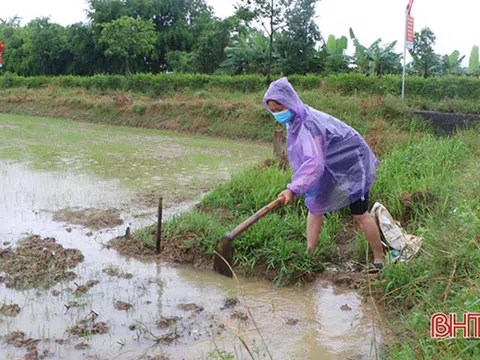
[[405, 54]]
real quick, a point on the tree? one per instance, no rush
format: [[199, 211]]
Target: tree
[[129, 38], [425, 61], [376, 60], [296, 43], [271, 15], [178, 24], [49, 47], [474, 63], [249, 54], [452, 64], [336, 60]]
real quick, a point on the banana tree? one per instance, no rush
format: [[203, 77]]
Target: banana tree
[[375, 60], [249, 55], [474, 63], [452, 64], [337, 60]]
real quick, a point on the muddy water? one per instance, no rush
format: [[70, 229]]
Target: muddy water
[[307, 323]]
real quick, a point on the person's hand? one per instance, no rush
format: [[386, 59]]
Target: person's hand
[[286, 196]]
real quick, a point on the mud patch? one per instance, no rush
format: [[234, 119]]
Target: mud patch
[[80, 290], [229, 303], [18, 340], [81, 346], [167, 339], [32, 355], [10, 310], [38, 262], [121, 305], [158, 357], [92, 283], [170, 251], [114, 271], [291, 321], [91, 218], [238, 315], [190, 307], [166, 322], [89, 327]]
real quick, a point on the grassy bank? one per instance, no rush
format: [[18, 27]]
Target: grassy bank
[[214, 113], [430, 184]]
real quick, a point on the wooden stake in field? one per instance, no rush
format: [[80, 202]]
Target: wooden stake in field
[[278, 145], [159, 225]]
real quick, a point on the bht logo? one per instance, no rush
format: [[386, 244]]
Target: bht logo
[[443, 326]]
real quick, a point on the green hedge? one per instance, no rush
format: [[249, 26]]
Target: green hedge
[[345, 84]]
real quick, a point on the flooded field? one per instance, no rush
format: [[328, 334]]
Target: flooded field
[[81, 300]]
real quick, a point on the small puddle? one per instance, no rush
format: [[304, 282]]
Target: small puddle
[[180, 308]]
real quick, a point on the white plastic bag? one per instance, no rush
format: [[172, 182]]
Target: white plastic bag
[[404, 246]]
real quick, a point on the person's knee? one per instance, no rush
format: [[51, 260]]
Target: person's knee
[[361, 219], [318, 217]]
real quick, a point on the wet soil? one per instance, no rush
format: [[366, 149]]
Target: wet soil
[[114, 271], [229, 303], [91, 218], [38, 262], [18, 339], [166, 322], [10, 310], [89, 327], [81, 346], [121, 305], [291, 321], [238, 315], [190, 307], [169, 251]]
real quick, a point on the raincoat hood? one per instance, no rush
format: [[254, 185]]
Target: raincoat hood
[[282, 92]]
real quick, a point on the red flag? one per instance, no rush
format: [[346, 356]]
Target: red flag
[[409, 6], [2, 46]]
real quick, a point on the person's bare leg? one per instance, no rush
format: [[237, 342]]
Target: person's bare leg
[[369, 227], [314, 227]]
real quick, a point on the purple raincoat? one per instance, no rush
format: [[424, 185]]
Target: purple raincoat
[[332, 164]]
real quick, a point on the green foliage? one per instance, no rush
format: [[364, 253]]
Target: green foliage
[[271, 15], [441, 278], [248, 55], [474, 62], [336, 60], [420, 171], [296, 43], [128, 38], [434, 88], [376, 59], [425, 62], [452, 64], [182, 61]]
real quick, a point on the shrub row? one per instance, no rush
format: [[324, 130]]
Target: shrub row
[[344, 84]]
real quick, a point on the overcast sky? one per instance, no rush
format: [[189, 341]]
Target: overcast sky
[[455, 23]]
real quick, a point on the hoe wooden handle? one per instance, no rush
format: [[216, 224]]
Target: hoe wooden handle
[[253, 219]]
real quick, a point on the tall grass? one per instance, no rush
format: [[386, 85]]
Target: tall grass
[[445, 276]]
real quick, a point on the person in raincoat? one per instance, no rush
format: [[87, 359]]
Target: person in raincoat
[[332, 165]]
